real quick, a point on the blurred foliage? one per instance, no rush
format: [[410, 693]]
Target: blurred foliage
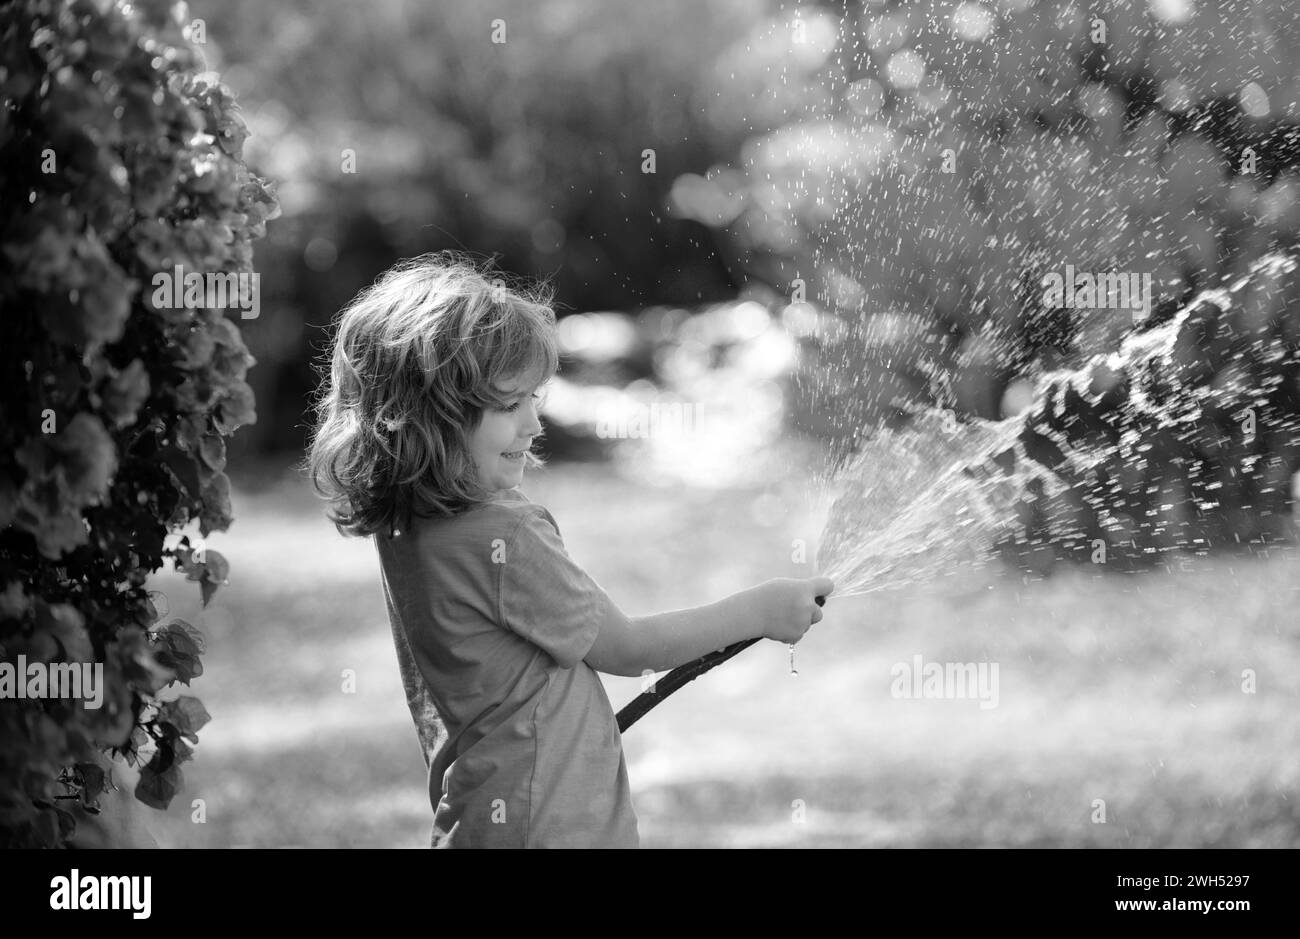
[[121, 160], [530, 149], [970, 148], [802, 149], [1185, 439]]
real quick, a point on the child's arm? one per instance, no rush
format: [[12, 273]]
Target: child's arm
[[781, 609]]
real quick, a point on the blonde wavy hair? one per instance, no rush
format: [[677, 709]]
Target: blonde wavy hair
[[414, 361]]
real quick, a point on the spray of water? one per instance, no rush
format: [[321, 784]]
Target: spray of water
[[916, 503]]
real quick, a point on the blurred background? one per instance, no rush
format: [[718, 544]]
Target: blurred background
[[711, 186]]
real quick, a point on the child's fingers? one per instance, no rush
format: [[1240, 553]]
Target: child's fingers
[[822, 586]]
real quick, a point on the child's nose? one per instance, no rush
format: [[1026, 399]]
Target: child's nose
[[533, 424]]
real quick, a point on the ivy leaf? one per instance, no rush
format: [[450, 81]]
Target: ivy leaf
[[178, 647], [189, 563], [182, 466], [130, 750], [216, 568], [187, 714], [140, 663], [232, 359], [212, 450], [94, 781], [216, 514], [146, 613], [194, 393], [181, 751], [156, 788], [165, 755], [93, 778], [215, 572], [189, 430], [236, 408]]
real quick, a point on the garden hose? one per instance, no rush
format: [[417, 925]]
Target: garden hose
[[679, 676]]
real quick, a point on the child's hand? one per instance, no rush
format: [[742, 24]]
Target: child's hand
[[788, 606]]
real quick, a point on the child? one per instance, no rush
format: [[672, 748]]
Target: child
[[426, 424]]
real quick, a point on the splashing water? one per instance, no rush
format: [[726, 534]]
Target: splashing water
[[919, 501], [916, 503]]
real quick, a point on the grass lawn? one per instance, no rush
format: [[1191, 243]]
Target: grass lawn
[[1126, 690]]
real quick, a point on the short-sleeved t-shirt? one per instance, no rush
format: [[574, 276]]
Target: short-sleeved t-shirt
[[492, 619]]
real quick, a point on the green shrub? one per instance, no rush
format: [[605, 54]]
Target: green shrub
[[121, 159]]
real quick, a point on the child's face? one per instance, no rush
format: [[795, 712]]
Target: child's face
[[498, 443]]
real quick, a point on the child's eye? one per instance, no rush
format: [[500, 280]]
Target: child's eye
[[515, 406]]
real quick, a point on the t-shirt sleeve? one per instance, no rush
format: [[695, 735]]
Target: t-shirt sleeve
[[545, 597]]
